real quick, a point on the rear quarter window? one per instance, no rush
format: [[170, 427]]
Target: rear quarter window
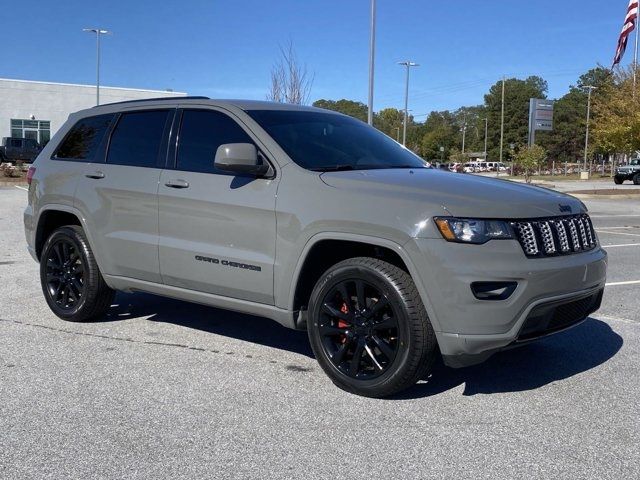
[[82, 141]]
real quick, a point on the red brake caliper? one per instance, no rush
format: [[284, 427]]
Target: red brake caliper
[[341, 323]]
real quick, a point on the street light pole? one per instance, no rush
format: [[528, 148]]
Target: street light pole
[[98, 32], [464, 132], [372, 54], [590, 88], [407, 64], [502, 121]]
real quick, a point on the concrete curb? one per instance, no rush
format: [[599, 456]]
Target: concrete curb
[[588, 196], [11, 184]]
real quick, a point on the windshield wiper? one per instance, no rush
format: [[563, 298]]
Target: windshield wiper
[[333, 168]]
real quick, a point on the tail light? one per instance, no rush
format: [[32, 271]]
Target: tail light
[[30, 173]]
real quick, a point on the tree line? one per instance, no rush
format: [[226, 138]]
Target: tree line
[[615, 120]]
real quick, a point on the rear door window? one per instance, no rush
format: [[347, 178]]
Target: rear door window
[[82, 141], [137, 139]]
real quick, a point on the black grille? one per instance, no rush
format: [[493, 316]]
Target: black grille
[[552, 317], [548, 237]]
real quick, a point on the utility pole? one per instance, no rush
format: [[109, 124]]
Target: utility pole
[[590, 88], [464, 132], [407, 64], [98, 32], [502, 122], [372, 54]]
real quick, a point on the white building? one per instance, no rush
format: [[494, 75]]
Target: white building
[[37, 110]]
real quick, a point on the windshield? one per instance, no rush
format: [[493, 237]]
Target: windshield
[[325, 141], [635, 161]]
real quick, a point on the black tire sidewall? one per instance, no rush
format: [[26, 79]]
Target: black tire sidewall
[[387, 287]]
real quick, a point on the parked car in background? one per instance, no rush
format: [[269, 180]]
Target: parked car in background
[[631, 171], [493, 166], [14, 149]]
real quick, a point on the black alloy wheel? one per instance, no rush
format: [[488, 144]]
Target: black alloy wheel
[[369, 329], [71, 280], [65, 274], [359, 329]]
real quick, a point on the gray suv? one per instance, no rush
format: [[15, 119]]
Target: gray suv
[[312, 219]]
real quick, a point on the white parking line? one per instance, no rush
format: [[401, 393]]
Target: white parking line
[[619, 233], [21, 188], [622, 245], [619, 228], [615, 284], [617, 319]]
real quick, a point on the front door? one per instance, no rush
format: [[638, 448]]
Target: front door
[[217, 230]]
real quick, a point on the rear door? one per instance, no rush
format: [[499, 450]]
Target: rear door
[[217, 230], [119, 196]]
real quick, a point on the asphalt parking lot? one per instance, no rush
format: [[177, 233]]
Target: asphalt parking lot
[[165, 389]]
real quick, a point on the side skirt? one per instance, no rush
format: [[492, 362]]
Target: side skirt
[[126, 284]]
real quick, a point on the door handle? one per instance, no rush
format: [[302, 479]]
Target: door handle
[[97, 175], [177, 184]]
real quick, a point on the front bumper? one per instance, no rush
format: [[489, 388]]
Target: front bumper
[[469, 330]]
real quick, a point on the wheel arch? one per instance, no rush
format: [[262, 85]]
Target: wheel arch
[[54, 216], [312, 264]]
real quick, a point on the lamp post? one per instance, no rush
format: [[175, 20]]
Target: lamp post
[[407, 64], [464, 132], [98, 32], [590, 88], [372, 53]]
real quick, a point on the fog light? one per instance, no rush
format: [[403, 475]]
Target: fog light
[[493, 290]]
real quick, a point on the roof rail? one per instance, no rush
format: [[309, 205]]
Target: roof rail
[[155, 99]]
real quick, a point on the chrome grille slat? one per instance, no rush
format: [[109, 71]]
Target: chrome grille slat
[[555, 236], [574, 235], [547, 238], [562, 236]]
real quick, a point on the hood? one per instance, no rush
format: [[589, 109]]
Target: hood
[[458, 194]]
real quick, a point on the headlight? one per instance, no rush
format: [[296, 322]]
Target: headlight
[[468, 230]]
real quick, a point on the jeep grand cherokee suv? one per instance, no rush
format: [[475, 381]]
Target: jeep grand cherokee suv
[[310, 218]]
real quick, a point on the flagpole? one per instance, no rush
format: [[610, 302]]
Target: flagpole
[[635, 53]]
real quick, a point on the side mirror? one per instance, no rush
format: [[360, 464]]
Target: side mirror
[[240, 158]]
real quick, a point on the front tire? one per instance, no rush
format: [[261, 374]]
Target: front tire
[[636, 179], [369, 329], [71, 280], [618, 180]]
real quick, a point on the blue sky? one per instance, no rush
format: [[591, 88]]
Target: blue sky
[[225, 48]]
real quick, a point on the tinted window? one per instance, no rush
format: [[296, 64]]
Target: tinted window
[[201, 133], [15, 142], [137, 139], [82, 141], [327, 141]]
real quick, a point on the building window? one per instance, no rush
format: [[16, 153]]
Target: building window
[[39, 130]]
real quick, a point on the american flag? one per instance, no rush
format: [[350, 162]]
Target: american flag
[[627, 28]]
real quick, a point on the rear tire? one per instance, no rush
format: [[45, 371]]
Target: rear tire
[[71, 280], [369, 329], [618, 180], [636, 179]]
